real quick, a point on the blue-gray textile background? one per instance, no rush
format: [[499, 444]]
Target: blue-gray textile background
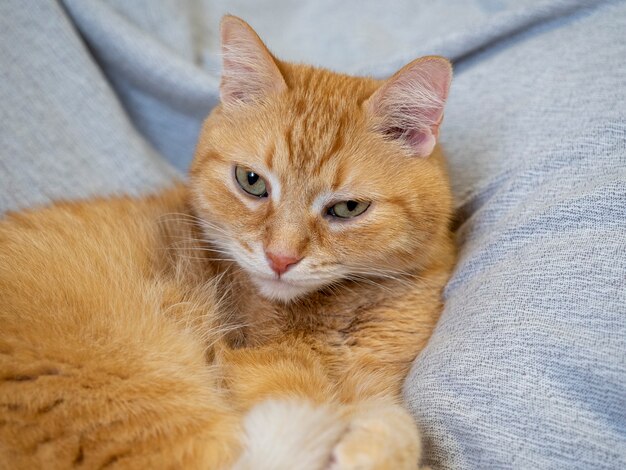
[[527, 368]]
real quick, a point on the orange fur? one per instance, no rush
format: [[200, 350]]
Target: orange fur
[[134, 333]]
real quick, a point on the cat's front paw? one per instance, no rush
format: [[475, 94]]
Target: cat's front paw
[[289, 434], [379, 436]]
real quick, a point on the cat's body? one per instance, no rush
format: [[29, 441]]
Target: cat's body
[[133, 334]]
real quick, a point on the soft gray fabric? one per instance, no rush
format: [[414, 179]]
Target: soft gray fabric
[[527, 368], [63, 133]]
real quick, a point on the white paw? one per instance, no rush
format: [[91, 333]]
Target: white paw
[[289, 434]]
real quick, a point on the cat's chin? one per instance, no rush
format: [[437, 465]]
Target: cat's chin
[[277, 289]]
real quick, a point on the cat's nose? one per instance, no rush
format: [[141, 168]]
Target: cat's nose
[[280, 262]]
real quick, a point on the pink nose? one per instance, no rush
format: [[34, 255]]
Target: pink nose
[[280, 263]]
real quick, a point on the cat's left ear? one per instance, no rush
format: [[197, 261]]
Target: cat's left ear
[[249, 71], [409, 105]]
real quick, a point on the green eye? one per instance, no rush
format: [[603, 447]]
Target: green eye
[[251, 182], [348, 209]]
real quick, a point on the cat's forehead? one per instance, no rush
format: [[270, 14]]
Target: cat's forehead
[[308, 153], [320, 126]]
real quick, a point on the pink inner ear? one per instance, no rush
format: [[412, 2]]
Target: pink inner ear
[[411, 103], [422, 142], [248, 69]]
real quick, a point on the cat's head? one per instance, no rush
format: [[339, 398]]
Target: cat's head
[[306, 177]]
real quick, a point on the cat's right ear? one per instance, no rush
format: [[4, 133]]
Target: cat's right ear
[[249, 71]]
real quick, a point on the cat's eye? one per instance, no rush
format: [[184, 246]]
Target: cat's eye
[[251, 182], [348, 209]]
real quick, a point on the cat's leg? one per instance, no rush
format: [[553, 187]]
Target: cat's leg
[[380, 435], [290, 418], [285, 434], [296, 417]]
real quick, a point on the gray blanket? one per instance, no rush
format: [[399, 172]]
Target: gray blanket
[[527, 368]]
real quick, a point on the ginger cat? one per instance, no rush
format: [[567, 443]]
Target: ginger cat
[[264, 315]]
